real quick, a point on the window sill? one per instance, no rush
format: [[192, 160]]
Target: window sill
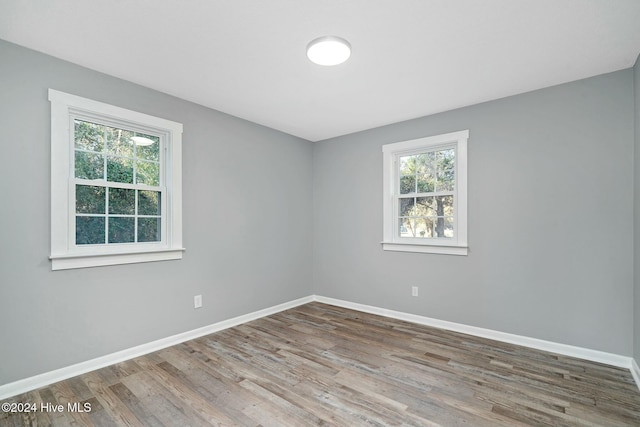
[[70, 261], [425, 248]]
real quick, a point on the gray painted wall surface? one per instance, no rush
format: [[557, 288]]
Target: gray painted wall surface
[[246, 209], [636, 216], [550, 209]]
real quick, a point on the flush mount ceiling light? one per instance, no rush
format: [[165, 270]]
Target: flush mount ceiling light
[[328, 50]]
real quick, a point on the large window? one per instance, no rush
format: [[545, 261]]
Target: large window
[[425, 194], [116, 185]]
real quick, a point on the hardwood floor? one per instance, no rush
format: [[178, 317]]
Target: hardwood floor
[[327, 366]]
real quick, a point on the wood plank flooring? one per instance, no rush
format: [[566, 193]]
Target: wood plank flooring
[[320, 365]]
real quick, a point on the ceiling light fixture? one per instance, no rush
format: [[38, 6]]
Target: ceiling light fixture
[[328, 50]]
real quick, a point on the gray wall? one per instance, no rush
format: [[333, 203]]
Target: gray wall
[[550, 209], [636, 215], [246, 208]]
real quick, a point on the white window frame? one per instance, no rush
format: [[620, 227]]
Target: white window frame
[[391, 154], [65, 254]]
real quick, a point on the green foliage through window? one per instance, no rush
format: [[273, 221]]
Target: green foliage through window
[[111, 154], [427, 182], [110, 164]]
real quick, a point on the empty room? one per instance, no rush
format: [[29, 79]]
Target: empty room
[[328, 213]]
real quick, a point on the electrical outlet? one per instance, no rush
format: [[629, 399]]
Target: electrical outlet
[[414, 291], [197, 301]]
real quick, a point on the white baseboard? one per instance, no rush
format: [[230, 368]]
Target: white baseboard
[[564, 349], [635, 371], [37, 381], [42, 380]]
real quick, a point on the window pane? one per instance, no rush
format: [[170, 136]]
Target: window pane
[[89, 165], [407, 184], [119, 142], [147, 173], [122, 201], [445, 163], [149, 202], [89, 230], [446, 181], [119, 169], [90, 199], [424, 206], [149, 229], [444, 205], [448, 227], [88, 136], [406, 206], [147, 147], [121, 230], [406, 227], [424, 227], [425, 183], [424, 163], [407, 165], [445, 156], [443, 227]]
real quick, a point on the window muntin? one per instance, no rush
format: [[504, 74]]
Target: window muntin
[[116, 185], [425, 194]]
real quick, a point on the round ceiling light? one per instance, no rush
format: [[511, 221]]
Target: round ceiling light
[[328, 50]]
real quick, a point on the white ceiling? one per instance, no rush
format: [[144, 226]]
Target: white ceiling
[[410, 58]]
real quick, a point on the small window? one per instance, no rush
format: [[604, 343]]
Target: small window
[[116, 185], [425, 194]]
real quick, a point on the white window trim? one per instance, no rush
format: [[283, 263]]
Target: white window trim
[[64, 253], [390, 154]]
